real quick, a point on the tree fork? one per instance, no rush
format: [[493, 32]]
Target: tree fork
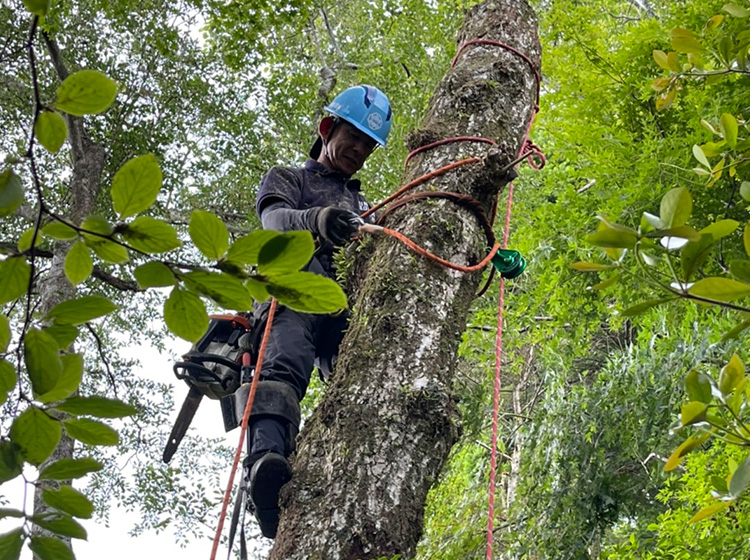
[[379, 439]]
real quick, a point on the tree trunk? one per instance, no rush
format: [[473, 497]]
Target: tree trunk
[[382, 434], [88, 161]]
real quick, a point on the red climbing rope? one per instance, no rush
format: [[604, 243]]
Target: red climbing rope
[[245, 418]]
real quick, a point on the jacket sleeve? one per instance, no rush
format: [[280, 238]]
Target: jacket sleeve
[[278, 216]]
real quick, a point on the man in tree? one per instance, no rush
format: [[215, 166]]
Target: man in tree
[[322, 198]]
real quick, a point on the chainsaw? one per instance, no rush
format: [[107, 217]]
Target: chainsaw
[[216, 366]]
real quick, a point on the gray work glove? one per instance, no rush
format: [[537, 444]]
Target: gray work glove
[[338, 225]]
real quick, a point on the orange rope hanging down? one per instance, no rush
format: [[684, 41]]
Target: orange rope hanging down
[[245, 418]]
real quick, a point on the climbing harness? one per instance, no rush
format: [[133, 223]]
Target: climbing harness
[[508, 263]]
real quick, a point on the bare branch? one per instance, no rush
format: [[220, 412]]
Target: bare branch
[[103, 357]]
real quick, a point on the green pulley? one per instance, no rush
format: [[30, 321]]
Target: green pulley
[[510, 264]]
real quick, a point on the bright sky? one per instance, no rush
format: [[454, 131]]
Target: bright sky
[[114, 543]]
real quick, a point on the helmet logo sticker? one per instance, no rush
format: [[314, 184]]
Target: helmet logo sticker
[[374, 121]]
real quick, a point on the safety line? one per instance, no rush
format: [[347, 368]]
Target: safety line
[[245, 418]]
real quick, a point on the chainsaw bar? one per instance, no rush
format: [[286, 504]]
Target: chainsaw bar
[[181, 425]]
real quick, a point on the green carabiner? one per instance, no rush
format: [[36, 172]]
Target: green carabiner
[[509, 263]]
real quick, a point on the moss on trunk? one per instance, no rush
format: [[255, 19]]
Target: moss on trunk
[[382, 434]]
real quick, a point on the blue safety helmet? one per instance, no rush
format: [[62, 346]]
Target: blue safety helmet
[[364, 107]]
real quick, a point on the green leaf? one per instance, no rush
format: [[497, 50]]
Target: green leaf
[[4, 333], [257, 289], [78, 263], [720, 229], [736, 330], [714, 22], [81, 310], [43, 362], [698, 387], [8, 379], [154, 275], [731, 375], [676, 207], [37, 7], [694, 254], [68, 500], [12, 542], [687, 446], [28, 237], [50, 548], [687, 45], [692, 413], [661, 59], [60, 231], [97, 224], [136, 185], [740, 269], [11, 192], [107, 250], [720, 289], [709, 511], [60, 524], [209, 234], [606, 284], [700, 156], [86, 92], [729, 129], [719, 484], [10, 512], [665, 100], [708, 126], [64, 335], [307, 292], [712, 149], [185, 315], [736, 11], [15, 274], [286, 253], [151, 235], [36, 434], [740, 479], [90, 431], [639, 308], [583, 266], [96, 406], [225, 290], [11, 461], [246, 250], [746, 238], [51, 131], [70, 379], [745, 190], [607, 237], [67, 469], [682, 232]]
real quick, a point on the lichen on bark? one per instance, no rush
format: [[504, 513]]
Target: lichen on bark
[[379, 439]]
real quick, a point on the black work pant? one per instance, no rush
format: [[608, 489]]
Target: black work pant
[[295, 341]]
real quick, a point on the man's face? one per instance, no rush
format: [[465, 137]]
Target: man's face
[[348, 148]]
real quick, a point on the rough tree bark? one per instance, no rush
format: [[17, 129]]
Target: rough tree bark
[[382, 434]]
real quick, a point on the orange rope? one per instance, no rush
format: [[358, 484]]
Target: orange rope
[[418, 181], [245, 418]]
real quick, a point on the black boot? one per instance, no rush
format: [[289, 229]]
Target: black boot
[[267, 476]]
